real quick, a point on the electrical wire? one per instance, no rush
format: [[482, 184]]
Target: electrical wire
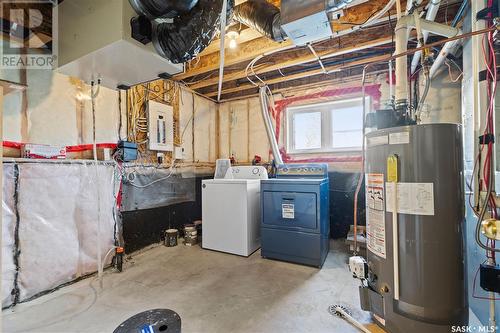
[[450, 74], [490, 61]]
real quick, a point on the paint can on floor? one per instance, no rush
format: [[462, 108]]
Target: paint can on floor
[[171, 236], [190, 235], [198, 225]]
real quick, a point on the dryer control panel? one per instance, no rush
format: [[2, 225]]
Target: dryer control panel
[[302, 171]]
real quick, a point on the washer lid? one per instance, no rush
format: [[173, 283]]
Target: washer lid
[[231, 181]]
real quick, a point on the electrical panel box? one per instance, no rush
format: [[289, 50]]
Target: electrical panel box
[[161, 127]]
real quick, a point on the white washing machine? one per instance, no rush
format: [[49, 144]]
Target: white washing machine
[[231, 211]]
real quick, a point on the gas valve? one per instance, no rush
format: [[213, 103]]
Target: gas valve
[[491, 229]]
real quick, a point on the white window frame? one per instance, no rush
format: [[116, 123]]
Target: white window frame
[[326, 109]]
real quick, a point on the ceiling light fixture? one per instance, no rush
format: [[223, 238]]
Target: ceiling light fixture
[[233, 38]]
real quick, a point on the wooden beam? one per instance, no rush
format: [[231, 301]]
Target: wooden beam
[[246, 35], [246, 52], [277, 3], [336, 50], [9, 86], [304, 74]]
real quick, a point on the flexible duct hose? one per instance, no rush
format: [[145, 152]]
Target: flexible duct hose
[[261, 16], [154, 9], [190, 33]]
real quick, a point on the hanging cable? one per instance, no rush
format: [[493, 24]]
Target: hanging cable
[[94, 95]]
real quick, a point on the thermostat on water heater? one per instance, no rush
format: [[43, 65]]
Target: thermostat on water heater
[[358, 267]]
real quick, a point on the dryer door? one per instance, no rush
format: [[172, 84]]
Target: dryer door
[[290, 210]]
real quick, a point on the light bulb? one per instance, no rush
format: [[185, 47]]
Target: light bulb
[[233, 43]]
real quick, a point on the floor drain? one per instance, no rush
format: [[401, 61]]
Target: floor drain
[[334, 312]]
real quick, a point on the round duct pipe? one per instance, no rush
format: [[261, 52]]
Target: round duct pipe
[[261, 16], [154, 9], [191, 32]]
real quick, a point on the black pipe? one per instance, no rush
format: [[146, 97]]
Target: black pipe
[[261, 16], [154, 9], [190, 33]]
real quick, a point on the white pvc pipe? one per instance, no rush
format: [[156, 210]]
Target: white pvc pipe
[[447, 49], [403, 26], [401, 63], [395, 240], [430, 16], [223, 22], [391, 81]]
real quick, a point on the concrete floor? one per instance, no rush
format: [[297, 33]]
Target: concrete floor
[[212, 292]]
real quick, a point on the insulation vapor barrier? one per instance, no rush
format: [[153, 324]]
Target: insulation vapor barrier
[[261, 16], [151, 187], [57, 207], [8, 229]]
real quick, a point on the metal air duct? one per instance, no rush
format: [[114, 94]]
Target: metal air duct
[[261, 16], [154, 9], [195, 24]]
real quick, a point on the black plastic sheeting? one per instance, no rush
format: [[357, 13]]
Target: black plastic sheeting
[[154, 9], [261, 16], [190, 33], [144, 227], [146, 188], [342, 192]]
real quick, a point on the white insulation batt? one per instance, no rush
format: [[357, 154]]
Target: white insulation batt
[[58, 206]]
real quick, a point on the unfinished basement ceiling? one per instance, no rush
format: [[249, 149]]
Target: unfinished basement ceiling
[[297, 66]]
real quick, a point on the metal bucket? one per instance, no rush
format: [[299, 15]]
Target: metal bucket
[[190, 235], [171, 236]]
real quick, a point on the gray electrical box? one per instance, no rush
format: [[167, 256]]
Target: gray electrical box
[[305, 21]]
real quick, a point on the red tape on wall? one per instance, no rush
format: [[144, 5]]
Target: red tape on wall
[[69, 149], [372, 91]]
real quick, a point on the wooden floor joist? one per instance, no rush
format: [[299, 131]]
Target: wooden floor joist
[[304, 74], [363, 44]]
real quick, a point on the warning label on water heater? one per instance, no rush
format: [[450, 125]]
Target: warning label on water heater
[[375, 214]]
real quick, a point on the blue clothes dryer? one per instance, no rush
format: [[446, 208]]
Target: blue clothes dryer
[[295, 224]]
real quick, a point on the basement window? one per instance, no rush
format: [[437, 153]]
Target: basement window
[[326, 127]]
